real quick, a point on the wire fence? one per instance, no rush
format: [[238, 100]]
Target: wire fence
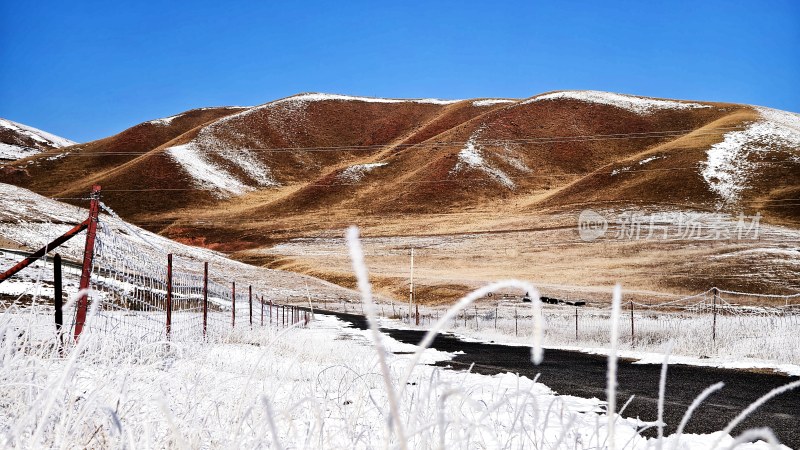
[[140, 292]]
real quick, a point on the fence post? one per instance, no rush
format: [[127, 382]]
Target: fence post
[[169, 295], [262, 310], [516, 323], [417, 314], [205, 298], [714, 312], [495, 317], [250, 296], [88, 257], [233, 304], [576, 323], [632, 334], [270, 313], [57, 296]]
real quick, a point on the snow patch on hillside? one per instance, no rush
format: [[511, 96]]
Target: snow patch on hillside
[[355, 173], [511, 158], [492, 101], [14, 152], [318, 97], [235, 150], [639, 105], [36, 134], [204, 173], [470, 157], [21, 147], [730, 163], [650, 159], [164, 121]]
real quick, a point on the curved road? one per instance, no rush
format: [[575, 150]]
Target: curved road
[[584, 375]]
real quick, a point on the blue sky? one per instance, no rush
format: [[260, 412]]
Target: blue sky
[[88, 69]]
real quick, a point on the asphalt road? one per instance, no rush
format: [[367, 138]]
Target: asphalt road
[[584, 375]]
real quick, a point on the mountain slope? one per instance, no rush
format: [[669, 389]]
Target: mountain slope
[[310, 153], [19, 141], [73, 166], [268, 184]]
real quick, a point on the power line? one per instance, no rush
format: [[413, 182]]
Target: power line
[[490, 142], [566, 175]]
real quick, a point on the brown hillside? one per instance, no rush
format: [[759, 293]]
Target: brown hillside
[[307, 166]]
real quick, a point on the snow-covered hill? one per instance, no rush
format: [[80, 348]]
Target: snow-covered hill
[[20, 141]]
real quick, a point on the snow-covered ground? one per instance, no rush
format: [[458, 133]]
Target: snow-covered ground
[[30, 221], [320, 387]]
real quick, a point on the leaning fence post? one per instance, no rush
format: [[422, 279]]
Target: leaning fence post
[[714, 312], [169, 294], [233, 304], [250, 294], [205, 298], [57, 296]]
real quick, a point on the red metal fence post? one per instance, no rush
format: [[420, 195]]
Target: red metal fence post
[[233, 304], [88, 257], [205, 298], [169, 294]]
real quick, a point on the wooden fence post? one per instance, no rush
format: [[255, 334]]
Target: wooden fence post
[[516, 322], [233, 304], [58, 295], [417, 314], [632, 334], [262, 310], [714, 312], [205, 298], [250, 296], [576, 323], [169, 295]]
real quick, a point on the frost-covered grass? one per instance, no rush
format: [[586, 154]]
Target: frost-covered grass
[[269, 388]]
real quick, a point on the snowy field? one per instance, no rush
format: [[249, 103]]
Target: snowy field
[[320, 387]]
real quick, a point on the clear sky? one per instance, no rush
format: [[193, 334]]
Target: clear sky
[[88, 69]]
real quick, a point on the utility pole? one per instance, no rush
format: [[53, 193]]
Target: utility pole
[[411, 286]]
